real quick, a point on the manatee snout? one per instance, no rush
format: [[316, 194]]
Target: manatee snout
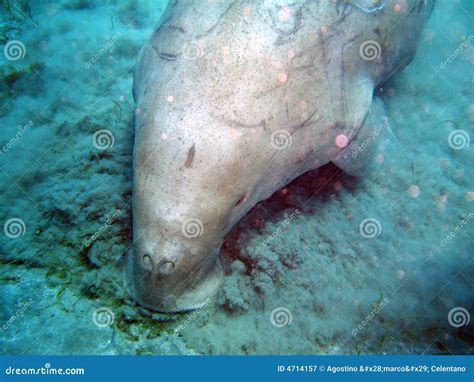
[[172, 274], [170, 269]]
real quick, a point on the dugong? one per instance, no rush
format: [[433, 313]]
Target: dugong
[[234, 99]]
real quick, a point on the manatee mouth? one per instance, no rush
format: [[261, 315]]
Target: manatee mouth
[[163, 288]]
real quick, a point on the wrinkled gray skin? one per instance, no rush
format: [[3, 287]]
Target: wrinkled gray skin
[[234, 100]]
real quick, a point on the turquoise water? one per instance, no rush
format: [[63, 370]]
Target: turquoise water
[[307, 275]]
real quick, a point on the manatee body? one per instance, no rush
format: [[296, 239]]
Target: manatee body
[[234, 100]]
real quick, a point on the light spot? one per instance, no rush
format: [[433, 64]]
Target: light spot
[[164, 136], [401, 6], [282, 77], [338, 186], [400, 274], [284, 14], [342, 141], [170, 99], [247, 11], [225, 50], [414, 191], [443, 199], [122, 98], [379, 158], [324, 29], [291, 54], [234, 133], [470, 196], [137, 111]]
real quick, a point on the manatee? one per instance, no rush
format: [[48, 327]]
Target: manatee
[[234, 100]]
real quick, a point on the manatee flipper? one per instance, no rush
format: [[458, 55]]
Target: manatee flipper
[[371, 138]]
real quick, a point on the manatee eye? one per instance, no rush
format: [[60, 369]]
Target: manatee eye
[[166, 268]]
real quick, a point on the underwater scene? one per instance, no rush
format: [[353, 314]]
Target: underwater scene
[[236, 177]]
